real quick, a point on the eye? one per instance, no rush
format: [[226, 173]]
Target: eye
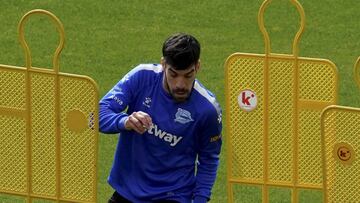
[[189, 76], [173, 75]]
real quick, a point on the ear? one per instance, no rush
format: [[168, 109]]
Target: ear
[[162, 62], [197, 66]]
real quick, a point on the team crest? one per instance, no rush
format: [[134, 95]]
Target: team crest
[[183, 116]]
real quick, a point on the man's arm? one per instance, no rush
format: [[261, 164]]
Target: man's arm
[[113, 119], [112, 105], [208, 158]]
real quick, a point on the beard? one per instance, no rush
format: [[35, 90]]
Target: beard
[[179, 95]]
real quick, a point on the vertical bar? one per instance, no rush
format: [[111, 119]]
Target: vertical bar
[[265, 191], [28, 135], [357, 72], [97, 143], [296, 132], [295, 192], [228, 140], [230, 192], [324, 149], [58, 137]]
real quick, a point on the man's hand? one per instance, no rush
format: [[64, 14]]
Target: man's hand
[[138, 121]]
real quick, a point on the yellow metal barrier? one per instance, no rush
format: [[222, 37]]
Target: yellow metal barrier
[[48, 129], [357, 72], [273, 108], [341, 147]]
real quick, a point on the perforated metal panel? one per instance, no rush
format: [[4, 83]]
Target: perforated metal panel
[[79, 149], [12, 139], [251, 133], [273, 108], [341, 147], [48, 130]]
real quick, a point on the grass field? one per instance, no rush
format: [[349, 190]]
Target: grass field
[[105, 39]]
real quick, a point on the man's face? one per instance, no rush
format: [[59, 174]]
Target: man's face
[[179, 83]]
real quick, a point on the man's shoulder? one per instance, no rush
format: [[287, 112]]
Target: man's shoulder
[[206, 99], [144, 73], [148, 68]]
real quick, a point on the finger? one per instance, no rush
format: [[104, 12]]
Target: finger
[[144, 118], [147, 117], [149, 120], [136, 125]]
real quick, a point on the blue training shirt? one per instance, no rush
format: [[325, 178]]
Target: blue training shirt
[[160, 164]]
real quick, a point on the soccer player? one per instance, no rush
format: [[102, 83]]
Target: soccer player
[[170, 129]]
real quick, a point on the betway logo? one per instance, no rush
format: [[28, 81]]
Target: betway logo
[[163, 135]]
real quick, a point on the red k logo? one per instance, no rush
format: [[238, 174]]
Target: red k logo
[[247, 100]]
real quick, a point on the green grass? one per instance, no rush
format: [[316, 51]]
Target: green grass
[[105, 39]]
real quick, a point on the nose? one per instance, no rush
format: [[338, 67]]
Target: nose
[[180, 83]]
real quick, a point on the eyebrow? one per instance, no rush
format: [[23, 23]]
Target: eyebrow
[[188, 73], [172, 70]]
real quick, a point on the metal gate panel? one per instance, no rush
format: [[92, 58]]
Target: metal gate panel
[[273, 107], [340, 149], [49, 130], [79, 149], [12, 139], [341, 146], [251, 133]]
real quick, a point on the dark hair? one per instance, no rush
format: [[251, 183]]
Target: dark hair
[[181, 50]]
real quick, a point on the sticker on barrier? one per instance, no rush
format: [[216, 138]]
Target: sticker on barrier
[[340, 150], [278, 143], [247, 100], [49, 129]]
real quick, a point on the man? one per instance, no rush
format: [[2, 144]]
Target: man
[[171, 124]]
